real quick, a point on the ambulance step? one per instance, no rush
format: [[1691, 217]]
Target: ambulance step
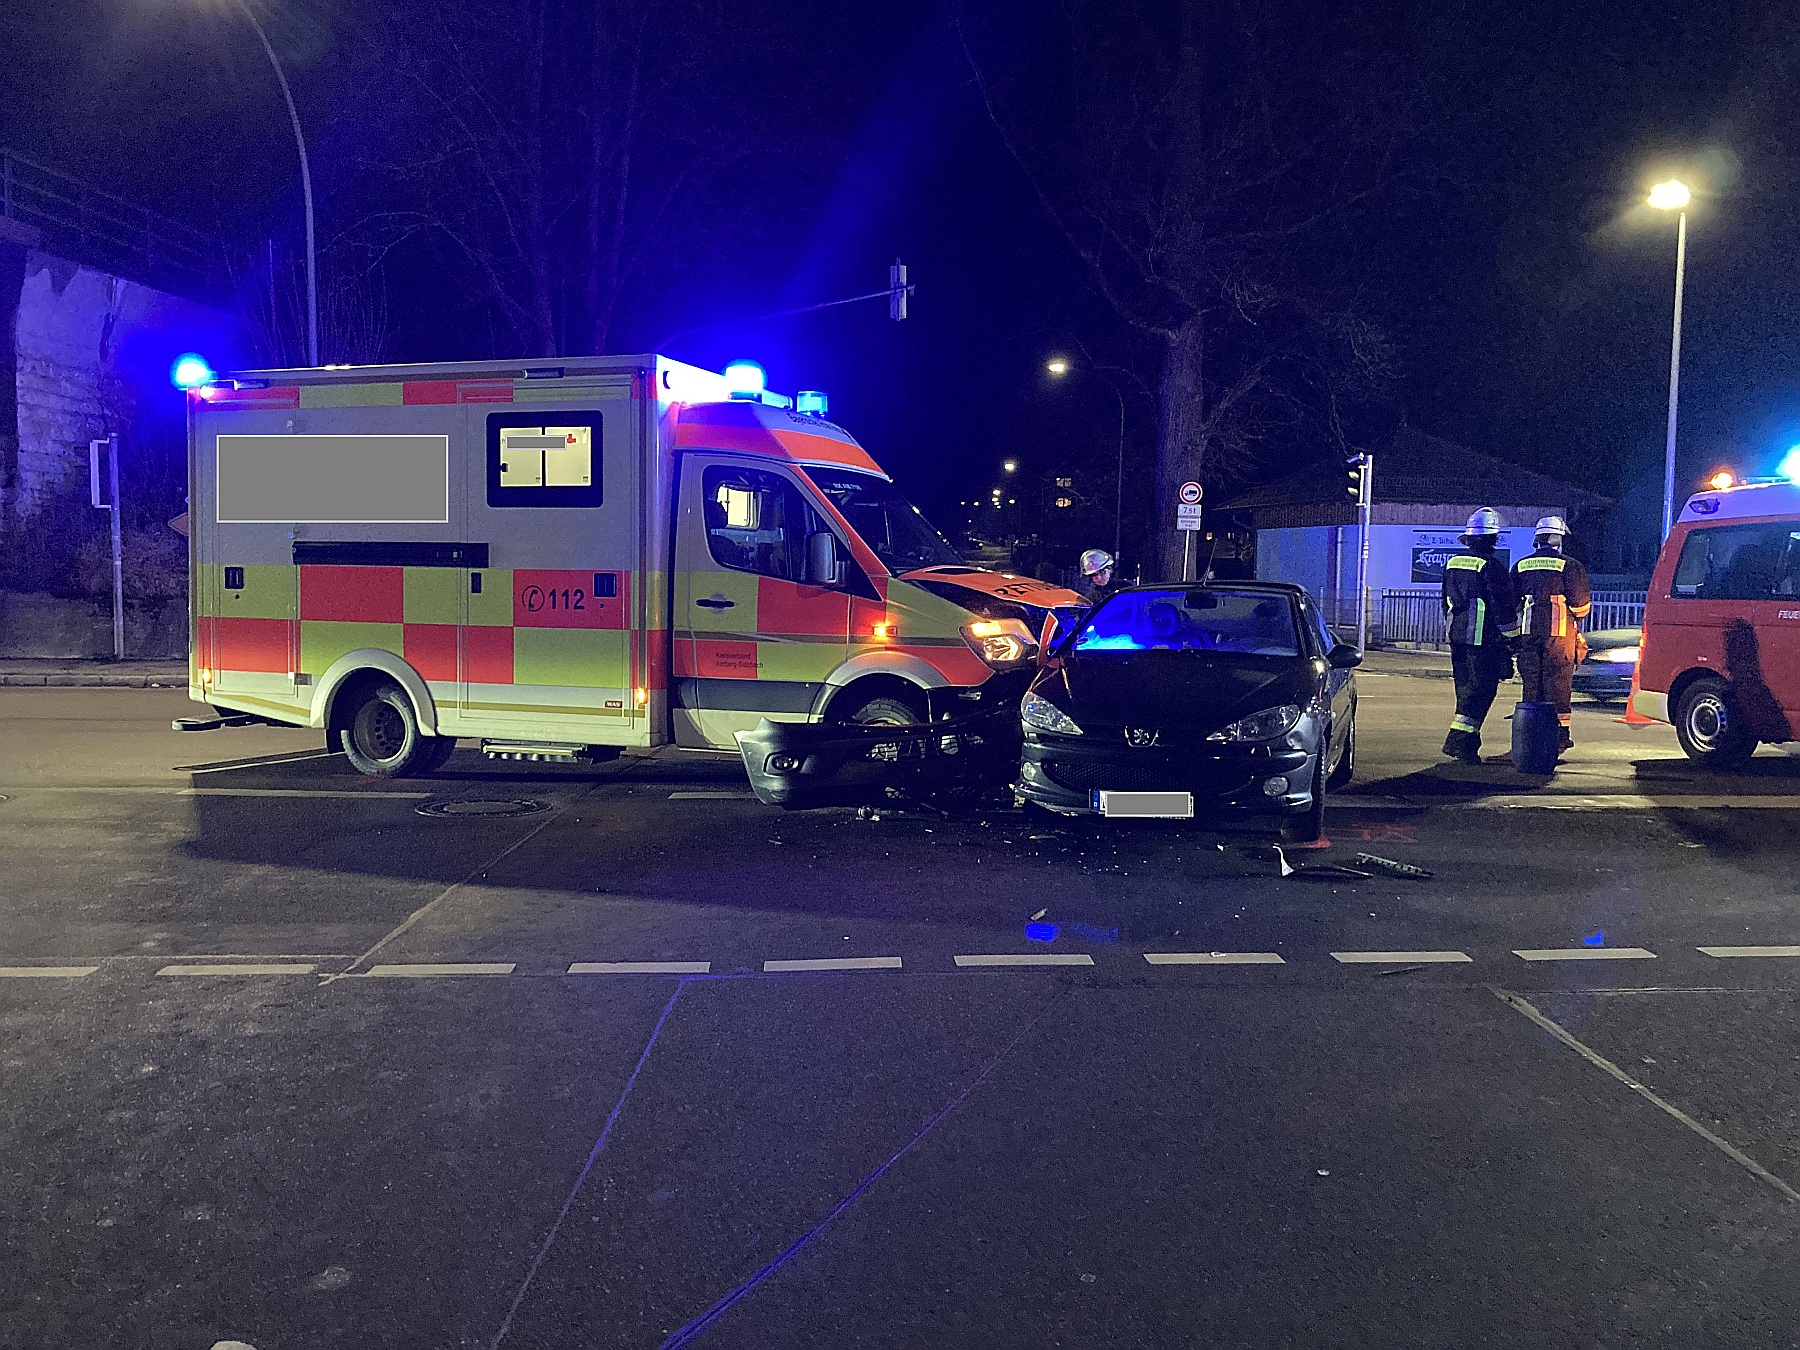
[[537, 750]]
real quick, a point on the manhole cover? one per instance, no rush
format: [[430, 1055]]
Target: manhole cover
[[512, 806]]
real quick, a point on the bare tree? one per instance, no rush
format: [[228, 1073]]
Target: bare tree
[[1209, 166]]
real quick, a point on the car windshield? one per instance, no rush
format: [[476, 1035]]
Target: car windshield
[[889, 524], [1252, 623]]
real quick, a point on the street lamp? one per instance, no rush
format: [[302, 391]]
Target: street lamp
[[1011, 466], [1059, 366], [1673, 196], [312, 269]]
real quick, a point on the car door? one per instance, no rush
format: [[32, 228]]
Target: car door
[[1777, 624], [1340, 685], [753, 638]]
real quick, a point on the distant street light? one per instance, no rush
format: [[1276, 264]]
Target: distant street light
[[1011, 466], [1059, 366], [1673, 196], [312, 264]]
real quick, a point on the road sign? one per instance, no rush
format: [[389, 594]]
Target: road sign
[[1187, 516], [1190, 494]]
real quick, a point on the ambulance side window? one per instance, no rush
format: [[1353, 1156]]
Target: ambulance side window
[[544, 459], [757, 522]]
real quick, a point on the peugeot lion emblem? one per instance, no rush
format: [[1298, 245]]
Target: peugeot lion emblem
[[1140, 737]]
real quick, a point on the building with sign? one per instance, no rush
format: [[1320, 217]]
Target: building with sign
[[1425, 489]]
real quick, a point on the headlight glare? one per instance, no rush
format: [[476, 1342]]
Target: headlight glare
[[1267, 725], [1624, 656], [1000, 642], [1046, 716]]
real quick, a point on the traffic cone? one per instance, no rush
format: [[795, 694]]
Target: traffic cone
[[1632, 717]]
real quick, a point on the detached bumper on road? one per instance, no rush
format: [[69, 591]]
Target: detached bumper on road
[[798, 765]]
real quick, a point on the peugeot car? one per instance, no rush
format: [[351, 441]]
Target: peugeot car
[[1177, 700]]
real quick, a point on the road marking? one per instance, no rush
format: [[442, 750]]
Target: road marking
[[1585, 954], [836, 963], [446, 968], [288, 757], [240, 968], [712, 796], [1213, 959], [1628, 802], [45, 972], [343, 794], [1394, 958], [641, 968], [1750, 951], [1606, 1066], [1027, 959]]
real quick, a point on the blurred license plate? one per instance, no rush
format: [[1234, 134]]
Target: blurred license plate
[[1162, 805]]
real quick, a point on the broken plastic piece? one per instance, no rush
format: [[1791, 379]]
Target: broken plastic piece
[[1392, 868]]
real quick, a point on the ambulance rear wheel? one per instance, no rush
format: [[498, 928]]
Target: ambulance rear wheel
[[381, 735], [1710, 725]]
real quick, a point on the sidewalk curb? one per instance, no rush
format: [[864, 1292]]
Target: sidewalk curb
[[64, 680]]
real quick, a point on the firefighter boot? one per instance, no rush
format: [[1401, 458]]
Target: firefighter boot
[[1463, 745]]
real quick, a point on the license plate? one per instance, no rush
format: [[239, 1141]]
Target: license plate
[[1146, 805]]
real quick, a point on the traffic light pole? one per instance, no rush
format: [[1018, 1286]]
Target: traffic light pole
[[1365, 509]]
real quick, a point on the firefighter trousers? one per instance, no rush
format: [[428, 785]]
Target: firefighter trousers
[[1547, 669], [1478, 672]]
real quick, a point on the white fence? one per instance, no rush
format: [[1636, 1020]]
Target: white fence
[[1415, 615]]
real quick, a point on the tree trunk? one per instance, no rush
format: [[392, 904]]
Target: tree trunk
[[1180, 444]]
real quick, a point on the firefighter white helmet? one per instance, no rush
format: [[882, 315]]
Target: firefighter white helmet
[[1095, 561], [1484, 522], [1552, 525]]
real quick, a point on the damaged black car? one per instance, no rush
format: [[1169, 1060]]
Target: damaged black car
[[1185, 700]]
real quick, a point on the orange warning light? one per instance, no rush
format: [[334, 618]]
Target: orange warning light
[[1721, 480]]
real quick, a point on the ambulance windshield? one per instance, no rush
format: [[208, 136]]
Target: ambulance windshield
[[889, 524]]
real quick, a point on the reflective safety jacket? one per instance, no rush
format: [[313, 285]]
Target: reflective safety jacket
[[1555, 594], [1480, 604]]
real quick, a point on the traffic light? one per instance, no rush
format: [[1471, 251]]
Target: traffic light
[[1356, 486]]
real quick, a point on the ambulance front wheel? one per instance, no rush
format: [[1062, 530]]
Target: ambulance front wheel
[[381, 735], [885, 710]]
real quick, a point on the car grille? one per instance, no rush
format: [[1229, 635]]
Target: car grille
[[1083, 775]]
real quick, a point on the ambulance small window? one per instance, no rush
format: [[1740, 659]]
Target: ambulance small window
[[757, 522], [544, 459]]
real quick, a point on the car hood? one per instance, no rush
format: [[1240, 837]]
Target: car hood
[[1609, 639], [1186, 692]]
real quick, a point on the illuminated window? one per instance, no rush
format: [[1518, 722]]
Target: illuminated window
[[544, 461], [757, 521]]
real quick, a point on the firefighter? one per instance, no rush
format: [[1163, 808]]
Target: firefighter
[[1481, 610], [1096, 575], [1555, 597]]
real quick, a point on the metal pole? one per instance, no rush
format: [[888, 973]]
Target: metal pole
[[1668, 521], [1366, 511], [312, 268], [118, 552], [1119, 493], [1187, 545]]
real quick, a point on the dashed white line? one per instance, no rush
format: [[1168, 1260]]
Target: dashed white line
[[45, 972], [835, 963], [446, 968], [1026, 959], [641, 968], [1398, 958], [240, 968], [1213, 959], [1750, 951], [1586, 954]]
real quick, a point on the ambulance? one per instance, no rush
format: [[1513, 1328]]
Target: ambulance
[[1720, 654], [567, 560]]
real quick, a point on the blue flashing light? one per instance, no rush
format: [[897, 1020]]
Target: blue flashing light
[[1789, 468], [1595, 939], [1042, 932], [190, 371], [746, 379], [812, 401]]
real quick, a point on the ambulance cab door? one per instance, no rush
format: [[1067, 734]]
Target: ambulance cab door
[[753, 638]]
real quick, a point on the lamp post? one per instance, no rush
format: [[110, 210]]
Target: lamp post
[[1673, 196], [312, 268], [1059, 367]]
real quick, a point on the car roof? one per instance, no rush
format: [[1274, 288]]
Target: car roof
[[1271, 587]]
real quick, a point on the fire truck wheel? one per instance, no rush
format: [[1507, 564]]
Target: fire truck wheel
[[884, 710], [381, 736], [1710, 725]]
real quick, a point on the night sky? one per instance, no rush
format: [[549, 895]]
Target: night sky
[[1527, 295]]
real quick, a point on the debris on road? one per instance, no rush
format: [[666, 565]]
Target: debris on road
[[1392, 868]]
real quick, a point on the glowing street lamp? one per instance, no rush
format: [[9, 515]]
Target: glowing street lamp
[[1011, 466], [1673, 196]]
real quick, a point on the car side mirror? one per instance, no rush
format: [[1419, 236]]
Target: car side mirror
[[823, 565], [1344, 657], [1046, 638]]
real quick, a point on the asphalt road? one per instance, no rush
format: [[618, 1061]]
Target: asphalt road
[[285, 1062]]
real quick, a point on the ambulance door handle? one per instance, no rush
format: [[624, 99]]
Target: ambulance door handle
[[717, 602]]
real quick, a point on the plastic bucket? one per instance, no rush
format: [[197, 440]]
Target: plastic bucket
[[1536, 738]]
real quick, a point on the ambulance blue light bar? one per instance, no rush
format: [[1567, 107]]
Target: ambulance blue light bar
[[190, 371], [812, 401], [746, 379]]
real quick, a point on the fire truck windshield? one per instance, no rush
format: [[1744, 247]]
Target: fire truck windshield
[[889, 524]]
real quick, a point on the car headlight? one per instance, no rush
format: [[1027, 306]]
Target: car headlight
[[1046, 716], [1623, 656], [1266, 725], [1000, 642]]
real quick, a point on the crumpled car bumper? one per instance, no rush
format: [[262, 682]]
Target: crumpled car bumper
[[800, 765]]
